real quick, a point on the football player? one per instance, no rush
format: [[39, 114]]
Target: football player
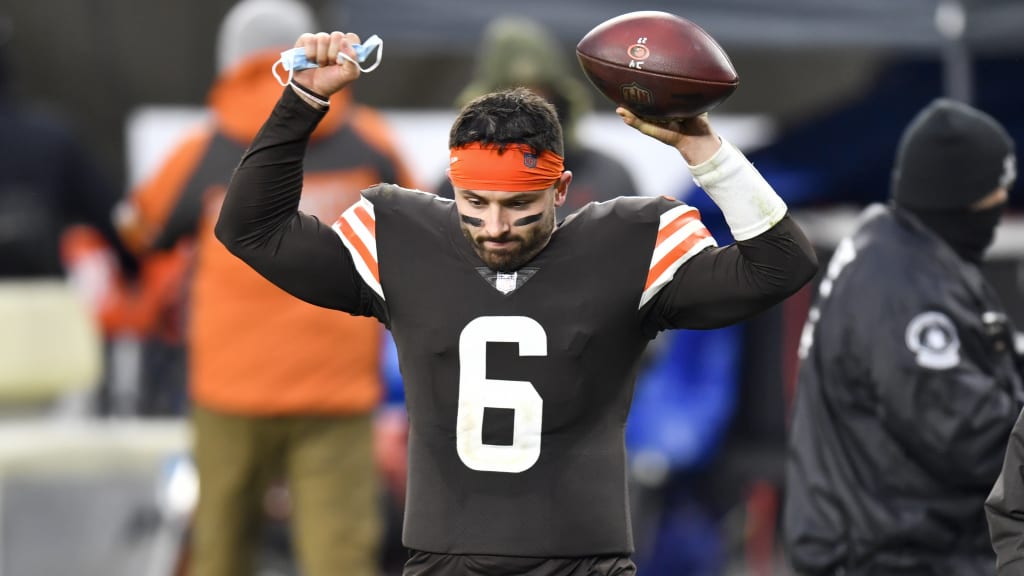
[[518, 337]]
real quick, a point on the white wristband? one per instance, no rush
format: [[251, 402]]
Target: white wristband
[[749, 204], [309, 95]]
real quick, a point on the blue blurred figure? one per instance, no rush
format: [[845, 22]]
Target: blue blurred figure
[[391, 432], [682, 408]]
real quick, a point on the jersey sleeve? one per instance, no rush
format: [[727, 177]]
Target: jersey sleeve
[[710, 287], [260, 222], [357, 228], [681, 236]]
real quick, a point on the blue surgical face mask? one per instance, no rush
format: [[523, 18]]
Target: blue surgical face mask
[[295, 58]]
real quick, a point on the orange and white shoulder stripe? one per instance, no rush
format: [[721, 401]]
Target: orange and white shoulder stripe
[[681, 235], [357, 228]]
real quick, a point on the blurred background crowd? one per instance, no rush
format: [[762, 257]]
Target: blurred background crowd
[[121, 121]]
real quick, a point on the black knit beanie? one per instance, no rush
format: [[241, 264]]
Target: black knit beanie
[[951, 155]]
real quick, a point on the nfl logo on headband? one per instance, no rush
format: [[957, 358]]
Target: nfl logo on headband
[[529, 160]]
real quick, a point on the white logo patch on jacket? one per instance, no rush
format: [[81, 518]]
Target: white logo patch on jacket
[[933, 339]]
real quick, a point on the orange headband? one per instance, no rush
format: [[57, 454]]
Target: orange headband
[[518, 169]]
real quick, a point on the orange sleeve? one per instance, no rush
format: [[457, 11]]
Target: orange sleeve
[[371, 125], [144, 213]]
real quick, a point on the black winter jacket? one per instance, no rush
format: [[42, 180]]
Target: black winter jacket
[[906, 395]]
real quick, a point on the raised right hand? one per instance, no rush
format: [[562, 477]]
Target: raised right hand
[[694, 138], [334, 73]]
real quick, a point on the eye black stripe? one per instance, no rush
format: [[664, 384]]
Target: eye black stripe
[[474, 222], [528, 219]]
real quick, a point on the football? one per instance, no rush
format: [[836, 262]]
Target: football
[[658, 65]]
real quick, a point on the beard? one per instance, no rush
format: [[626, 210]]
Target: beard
[[521, 248]]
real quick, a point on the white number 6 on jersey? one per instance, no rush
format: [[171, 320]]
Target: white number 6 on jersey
[[476, 392]]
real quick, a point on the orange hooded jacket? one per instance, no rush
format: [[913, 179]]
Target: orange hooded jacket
[[252, 348]]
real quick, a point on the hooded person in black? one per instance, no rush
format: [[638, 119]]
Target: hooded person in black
[[952, 157], [908, 383]]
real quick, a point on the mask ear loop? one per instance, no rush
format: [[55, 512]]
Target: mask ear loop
[[363, 52], [283, 63]]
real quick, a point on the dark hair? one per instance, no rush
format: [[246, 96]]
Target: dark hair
[[516, 116]]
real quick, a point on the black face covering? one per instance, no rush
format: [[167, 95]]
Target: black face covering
[[968, 232]]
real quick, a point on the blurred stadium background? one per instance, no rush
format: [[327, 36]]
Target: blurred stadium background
[[826, 88]]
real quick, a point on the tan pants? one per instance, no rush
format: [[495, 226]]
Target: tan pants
[[328, 465]]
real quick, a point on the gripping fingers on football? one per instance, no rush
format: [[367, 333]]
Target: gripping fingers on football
[[668, 132], [671, 132]]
